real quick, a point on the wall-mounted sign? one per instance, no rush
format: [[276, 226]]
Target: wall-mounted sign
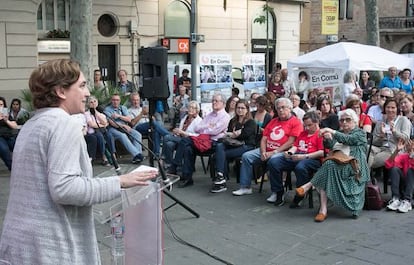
[[260, 46], [329, 17], [53, 46], [176, 45]]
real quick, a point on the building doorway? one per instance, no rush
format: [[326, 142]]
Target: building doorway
[[107, 55]]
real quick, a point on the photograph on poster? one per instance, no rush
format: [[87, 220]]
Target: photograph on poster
[[215, 75]]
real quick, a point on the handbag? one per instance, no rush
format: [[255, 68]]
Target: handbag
[[228, 141], [340, 158], [373, 200], [201, 142]]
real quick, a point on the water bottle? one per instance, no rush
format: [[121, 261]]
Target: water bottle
[[118, 230]]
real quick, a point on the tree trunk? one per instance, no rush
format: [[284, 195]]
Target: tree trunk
[[372, 22], [81, 35]]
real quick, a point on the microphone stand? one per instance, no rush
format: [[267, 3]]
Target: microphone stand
[[107, 145], [164, 177]]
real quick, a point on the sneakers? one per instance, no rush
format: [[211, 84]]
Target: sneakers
[[137, 159], [393, 204], [272, 198], [218, 188], [277, 198], [405, 206], [219, 179], [280, 199], [242, 191]]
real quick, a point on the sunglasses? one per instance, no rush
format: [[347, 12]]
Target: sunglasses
[[383, 96], [347, 120]]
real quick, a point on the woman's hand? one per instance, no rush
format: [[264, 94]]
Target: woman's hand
[[401, 144], [137, 178], [327, 133]]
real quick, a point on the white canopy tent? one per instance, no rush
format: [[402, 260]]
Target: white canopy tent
[[351, 56], [326, 66]]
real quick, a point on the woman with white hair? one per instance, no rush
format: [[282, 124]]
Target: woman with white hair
[[344, 173], [350, 83]]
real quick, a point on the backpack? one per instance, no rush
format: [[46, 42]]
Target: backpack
[[373, 200]]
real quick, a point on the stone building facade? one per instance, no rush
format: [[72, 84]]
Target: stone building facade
[[396, 24], [121, 27]]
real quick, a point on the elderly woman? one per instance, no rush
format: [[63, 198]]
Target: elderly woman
[[387, 132], [349, 85], [343, 184], [49, 213], [242, 128], [96, 127], [8, 132], [185, 129]]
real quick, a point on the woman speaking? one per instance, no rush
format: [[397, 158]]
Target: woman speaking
[[49, 213]]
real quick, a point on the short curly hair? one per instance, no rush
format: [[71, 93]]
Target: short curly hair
[[49, 76]]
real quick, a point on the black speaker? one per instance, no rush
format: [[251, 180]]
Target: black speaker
[[153, 68]]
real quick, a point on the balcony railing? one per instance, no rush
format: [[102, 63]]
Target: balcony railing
[[396, 23]]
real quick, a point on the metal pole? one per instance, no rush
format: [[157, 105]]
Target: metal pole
[[267, 43], [193, 51]]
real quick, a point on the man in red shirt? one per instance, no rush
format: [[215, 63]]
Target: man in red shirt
[[278, 136], [303, 157]]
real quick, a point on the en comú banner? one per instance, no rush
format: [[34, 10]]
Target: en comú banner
[[330, 17]]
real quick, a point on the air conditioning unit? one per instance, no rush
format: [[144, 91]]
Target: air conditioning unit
[[332, 38]]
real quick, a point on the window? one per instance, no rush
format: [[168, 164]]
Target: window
[[346, 9], [259, 30], [410, 8], [53, 14], [408, 48], [177, 20]]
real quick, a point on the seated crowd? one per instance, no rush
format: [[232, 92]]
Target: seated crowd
[[282, 131]]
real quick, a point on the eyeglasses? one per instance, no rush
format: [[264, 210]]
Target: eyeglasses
[[347, 120]]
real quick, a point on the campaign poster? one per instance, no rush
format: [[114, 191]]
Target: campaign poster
[[215, 75], [254, 74], [324, 79]]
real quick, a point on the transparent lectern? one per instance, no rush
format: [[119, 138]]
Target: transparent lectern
[[141, 209]]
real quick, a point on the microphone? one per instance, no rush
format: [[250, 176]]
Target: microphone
[[164, 177], [114, 160]]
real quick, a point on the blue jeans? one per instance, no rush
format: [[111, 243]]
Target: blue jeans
[[6, 147], [303, 170], [246, 170], [133, 145], [170, 142], [184, 155], [223, 153], [159, 131]]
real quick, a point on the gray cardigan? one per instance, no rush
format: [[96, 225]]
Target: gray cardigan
[[49, 214], [402, 130]]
